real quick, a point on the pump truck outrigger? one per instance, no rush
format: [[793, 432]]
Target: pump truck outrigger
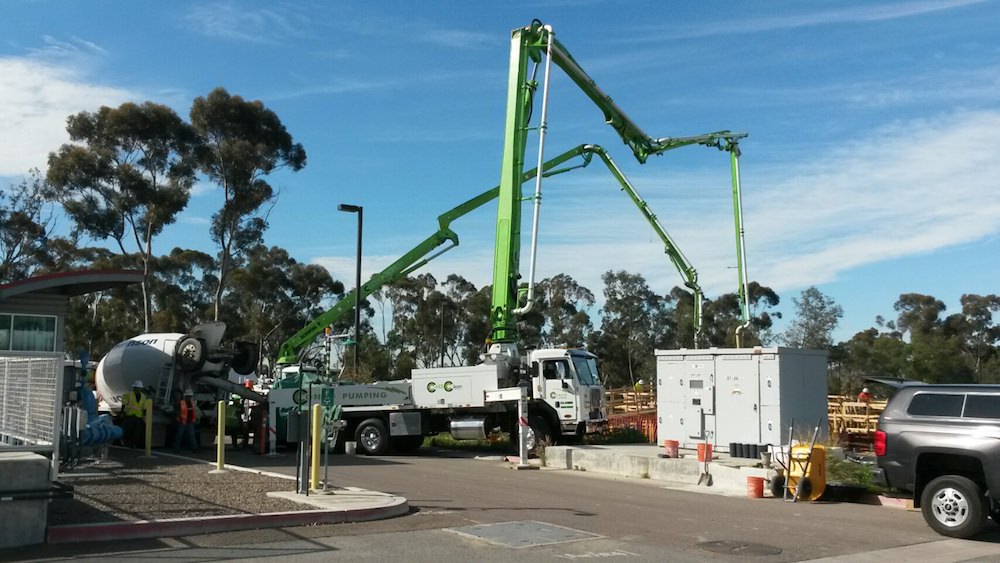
[[565, 394]]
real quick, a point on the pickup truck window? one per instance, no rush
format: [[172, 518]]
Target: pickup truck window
[[936, 404], [982, 406]]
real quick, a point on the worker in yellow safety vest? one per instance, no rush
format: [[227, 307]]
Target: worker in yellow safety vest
[[135, 403], [236, 426]]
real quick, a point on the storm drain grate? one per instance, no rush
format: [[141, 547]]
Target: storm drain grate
[[739, 548], [527, 533]]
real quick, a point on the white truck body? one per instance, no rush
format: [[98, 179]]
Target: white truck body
[[566, 398]]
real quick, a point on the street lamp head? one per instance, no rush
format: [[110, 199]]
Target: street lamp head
[[349, 208]]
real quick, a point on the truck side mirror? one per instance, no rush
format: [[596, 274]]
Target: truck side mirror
[[536, 369], [564, 384]]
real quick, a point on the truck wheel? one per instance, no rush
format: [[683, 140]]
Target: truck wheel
[[191, 354], [537, 436], [954, 506], [407, 444], [372, 437]]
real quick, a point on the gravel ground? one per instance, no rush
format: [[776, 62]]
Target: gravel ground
[[129, 488]]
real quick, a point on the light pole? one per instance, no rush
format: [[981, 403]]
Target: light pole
[[357, 282]]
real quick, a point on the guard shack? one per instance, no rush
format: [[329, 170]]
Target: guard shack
[[32, 386], [739, 396]]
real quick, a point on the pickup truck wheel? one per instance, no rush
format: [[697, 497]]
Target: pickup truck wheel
[[954, 506], [372, 437]]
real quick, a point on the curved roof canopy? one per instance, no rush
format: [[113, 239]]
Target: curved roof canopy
[[70, 284]]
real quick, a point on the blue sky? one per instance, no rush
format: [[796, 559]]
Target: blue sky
[[871, 168]]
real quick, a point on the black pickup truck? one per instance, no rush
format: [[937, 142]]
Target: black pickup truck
[[942, 444]]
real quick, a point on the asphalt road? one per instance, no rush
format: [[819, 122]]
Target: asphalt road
[[556, 516]]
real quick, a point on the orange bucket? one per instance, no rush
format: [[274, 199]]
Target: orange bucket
[[755, 487], [671, 448], [704, 452]]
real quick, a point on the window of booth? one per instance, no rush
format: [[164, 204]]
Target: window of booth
[[27, 333]]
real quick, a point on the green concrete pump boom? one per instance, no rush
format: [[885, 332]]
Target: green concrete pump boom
[[429, 248], [421, 254], [531, 44]]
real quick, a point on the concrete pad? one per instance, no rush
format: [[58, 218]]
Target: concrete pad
[[348, 499], [729, 475], [23, 521]]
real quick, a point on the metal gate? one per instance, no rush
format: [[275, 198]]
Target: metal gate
[[30, 387]]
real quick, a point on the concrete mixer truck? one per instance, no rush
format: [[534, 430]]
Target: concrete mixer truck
[[169, 363]]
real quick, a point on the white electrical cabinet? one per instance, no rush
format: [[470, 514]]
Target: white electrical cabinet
[[740, 395]]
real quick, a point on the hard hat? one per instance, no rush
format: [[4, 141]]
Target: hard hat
[[138, 384], [865, 390], [188, 393]]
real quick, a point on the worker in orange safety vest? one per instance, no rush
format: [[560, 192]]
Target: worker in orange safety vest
[[187, 422]]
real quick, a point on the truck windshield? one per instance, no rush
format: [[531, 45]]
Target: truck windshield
[[586, 370]]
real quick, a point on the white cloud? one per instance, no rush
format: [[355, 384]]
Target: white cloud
[[204, 188], [910, 188], [868, 12], [234, 22], [38, 93]]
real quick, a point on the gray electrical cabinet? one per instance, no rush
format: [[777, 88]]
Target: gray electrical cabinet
[[739, 395]]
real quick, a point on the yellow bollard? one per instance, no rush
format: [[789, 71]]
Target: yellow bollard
[[149, 428], [317, 418], [220, 462]]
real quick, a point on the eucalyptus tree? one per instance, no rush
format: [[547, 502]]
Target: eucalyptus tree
[[126, 174], [723, 316], [983, 334], [816, 317], [935, 344], [181, 288], [567, 311], [242, 142], [25, 228], [634, 320]]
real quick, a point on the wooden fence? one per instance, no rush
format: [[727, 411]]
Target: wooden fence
[[643, 422], [628, 400], [853, 422], [628, 408]]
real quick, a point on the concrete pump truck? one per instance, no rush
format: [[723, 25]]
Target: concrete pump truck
[[565, 395]]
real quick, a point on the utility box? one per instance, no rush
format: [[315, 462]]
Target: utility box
[[739, 395], [454, 387]]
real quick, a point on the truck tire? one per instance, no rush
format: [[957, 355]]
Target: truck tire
[[954, 506], [538, 434], [191, 354], [372, 437]]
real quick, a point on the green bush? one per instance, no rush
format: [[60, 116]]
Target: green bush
[[625, 435], [445, 440]]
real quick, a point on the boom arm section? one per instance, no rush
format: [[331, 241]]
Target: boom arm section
[[420, 255], [531, 44]]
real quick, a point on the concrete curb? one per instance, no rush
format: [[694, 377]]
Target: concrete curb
[[212, 524]]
